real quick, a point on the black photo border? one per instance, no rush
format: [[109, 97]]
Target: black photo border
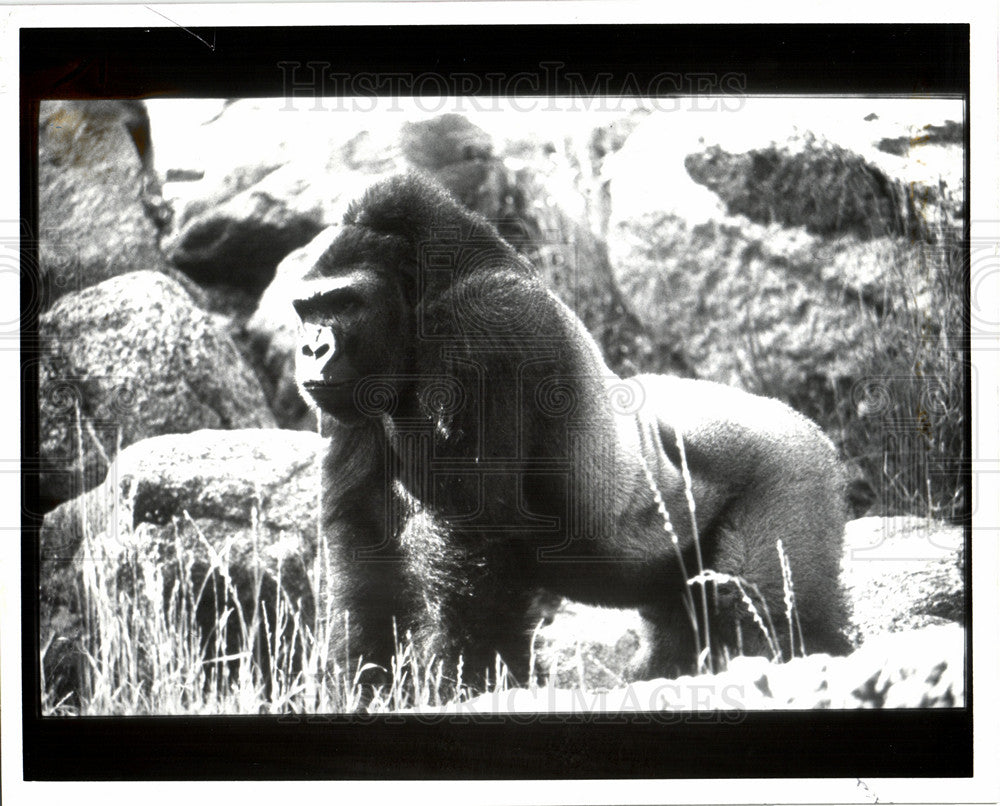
[[169, 61]]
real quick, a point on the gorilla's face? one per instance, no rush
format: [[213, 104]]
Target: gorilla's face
[[355, 330]]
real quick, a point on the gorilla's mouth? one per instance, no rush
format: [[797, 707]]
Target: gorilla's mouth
[[310, 385], [334, 398]]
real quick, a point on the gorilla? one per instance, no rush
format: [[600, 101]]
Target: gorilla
[[483, 453]]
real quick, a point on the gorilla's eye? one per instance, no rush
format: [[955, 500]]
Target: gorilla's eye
[[346, 305], [341, 303], [329, 308]]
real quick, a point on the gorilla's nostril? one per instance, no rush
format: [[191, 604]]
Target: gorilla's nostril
[[323, 350], [306, 351]]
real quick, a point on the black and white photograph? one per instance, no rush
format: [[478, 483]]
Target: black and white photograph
[[365, 393], [655, 406]]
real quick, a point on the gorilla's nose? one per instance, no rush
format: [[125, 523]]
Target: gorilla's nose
[[322, 342]]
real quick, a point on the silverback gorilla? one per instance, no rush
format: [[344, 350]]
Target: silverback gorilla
[[482, 451]]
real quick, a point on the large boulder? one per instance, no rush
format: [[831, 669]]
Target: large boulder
[[240, 241], [820, 186], [902, 574], [239, 506], [770, 251], [98, 200], [128, 359], [771, 311], [765, 264]]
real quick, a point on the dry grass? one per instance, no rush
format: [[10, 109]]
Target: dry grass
[[904, 419], [146, 647]]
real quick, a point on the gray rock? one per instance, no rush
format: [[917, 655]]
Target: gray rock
[[756, 273], [820, 186], [902, 574], [241, 503], [587, 647], [775, 312], [134, 358], [98, 199], [242, 240]]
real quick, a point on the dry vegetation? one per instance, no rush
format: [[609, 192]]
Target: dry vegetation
[[904, 423]]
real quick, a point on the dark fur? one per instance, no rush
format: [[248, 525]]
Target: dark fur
[[500, 461]]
